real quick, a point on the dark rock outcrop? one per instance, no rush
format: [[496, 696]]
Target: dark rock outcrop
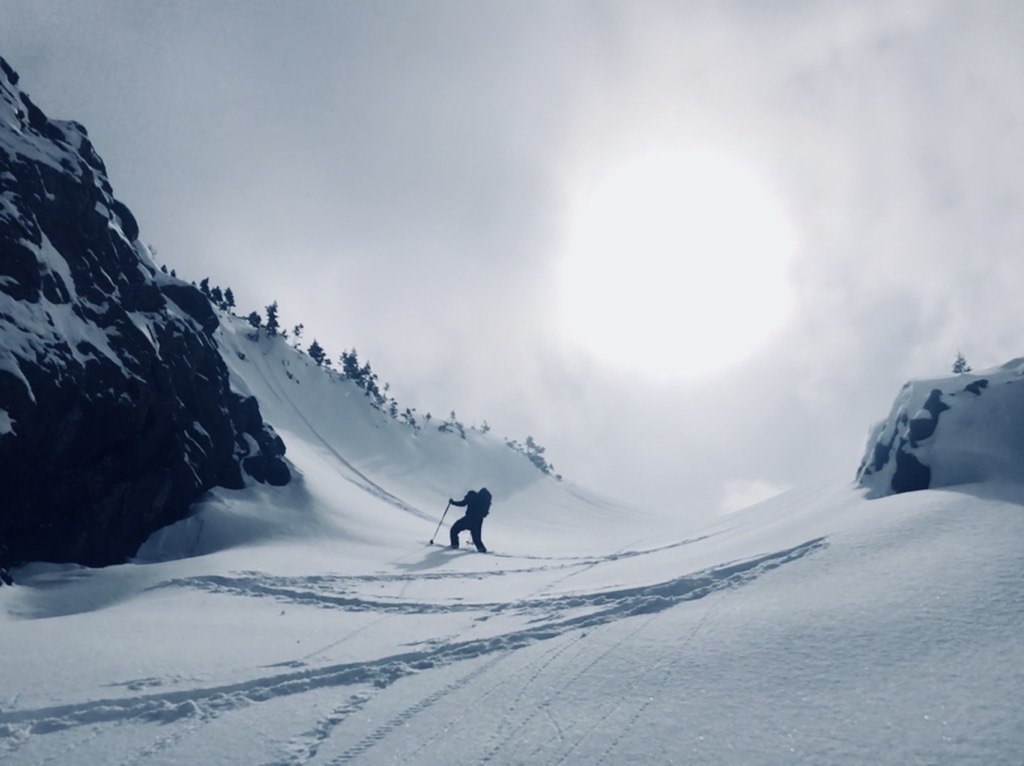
[[923, 424], [950, 431], [116, 410]]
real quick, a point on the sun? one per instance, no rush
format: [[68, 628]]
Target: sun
[[677, 264]]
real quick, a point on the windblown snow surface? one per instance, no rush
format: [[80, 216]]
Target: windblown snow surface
[[315, 624]]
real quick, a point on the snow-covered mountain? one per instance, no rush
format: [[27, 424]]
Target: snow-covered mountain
[[125, 394], [313, 622], [116, 411]]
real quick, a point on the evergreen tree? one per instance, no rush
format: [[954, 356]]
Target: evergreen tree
[[368, 382], [229, 299], [350, 366], [535, 453], [452, 425], [316, 353], [960, 364], [204, 286], [272, 324], [217, 296], [255, 320]]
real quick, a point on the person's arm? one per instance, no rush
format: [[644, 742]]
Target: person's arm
[[461, 503]]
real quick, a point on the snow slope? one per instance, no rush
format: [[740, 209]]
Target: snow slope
[[313, 624]]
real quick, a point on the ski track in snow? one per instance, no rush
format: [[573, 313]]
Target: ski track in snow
[[356, 476], [556, 616], [650, 678], [307, 745], [379, 733], [501, 739], [327, 591]]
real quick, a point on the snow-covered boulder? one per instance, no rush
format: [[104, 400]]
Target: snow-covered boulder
[[948, 431], [116, 409]]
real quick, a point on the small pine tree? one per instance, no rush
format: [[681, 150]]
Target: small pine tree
[[204, 286], [272, 323], [350, 366], [317, 353], [217, 296], [960, 364], [535, 453], [255, 320], [229, 299], [452, 425], [368, 382]]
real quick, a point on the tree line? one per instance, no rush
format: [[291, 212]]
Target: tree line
[[350, 367]]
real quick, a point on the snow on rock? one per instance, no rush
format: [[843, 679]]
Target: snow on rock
[[949, 431], [105, 364]]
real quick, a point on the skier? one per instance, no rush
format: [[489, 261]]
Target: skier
[[477, 505]]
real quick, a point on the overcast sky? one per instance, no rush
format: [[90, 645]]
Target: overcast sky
[[401, 178]]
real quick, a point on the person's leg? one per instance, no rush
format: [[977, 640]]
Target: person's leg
[[457, 527], [475, 529]]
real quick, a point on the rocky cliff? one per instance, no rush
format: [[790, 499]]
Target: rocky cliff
[[949, 431], [116, 410]]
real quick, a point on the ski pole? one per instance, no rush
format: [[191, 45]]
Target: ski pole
[[440, 522]]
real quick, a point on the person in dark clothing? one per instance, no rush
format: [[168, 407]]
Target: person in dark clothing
[[477, 505]]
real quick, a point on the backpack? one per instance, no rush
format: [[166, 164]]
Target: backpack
[[483, 502]]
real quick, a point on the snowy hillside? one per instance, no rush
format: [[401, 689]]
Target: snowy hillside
[[313, 624], [349, 457]]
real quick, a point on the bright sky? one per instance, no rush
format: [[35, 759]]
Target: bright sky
[[653, 235], [677, 264]]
